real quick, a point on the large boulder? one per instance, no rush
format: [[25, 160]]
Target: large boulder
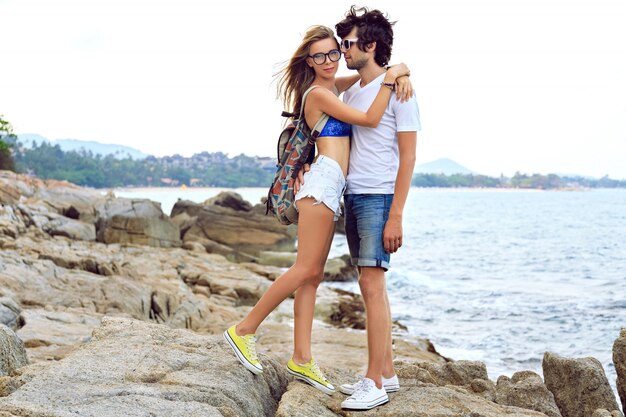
[[415, 398], [60, 197], [132, 368], [526, 390], [135, 221], [248, 232], [470, 376], [15, 220], [230, 200], [619, 360], [579, 385], [12, 352], [72, 229]]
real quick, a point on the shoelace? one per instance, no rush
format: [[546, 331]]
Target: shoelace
[[316, 370], [251, 346], [362, 390]]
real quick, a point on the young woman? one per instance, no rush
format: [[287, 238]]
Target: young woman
[[314, 63]]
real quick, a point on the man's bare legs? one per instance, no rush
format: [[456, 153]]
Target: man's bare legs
[[374, 291], [315, 225], [303, 310], [388, 369]]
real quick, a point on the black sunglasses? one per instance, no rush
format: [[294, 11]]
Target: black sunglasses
[[333, 55]]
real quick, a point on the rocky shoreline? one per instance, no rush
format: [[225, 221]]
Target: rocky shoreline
[[109, 307]]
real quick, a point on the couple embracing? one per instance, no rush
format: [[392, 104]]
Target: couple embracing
[[366, 152]]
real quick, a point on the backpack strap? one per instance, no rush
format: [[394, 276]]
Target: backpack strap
[[319, 126]]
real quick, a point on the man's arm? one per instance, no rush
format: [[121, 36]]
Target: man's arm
[[392, 235]]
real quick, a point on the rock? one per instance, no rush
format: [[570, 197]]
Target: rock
[[244, 231], [619, 360], [301, 401], [413, 399], [184, 222], [211, 246], [526, 390], [53, 223], [10, 224], [53, 333], [230, 200], [9, 384], [278, 259], [9, 312], [69, 200], [347, 310], [457, 373], [72, 229], [268, 271], [133, 368], [340, 269], [579, 386], [136, 221], [600, 412], [194, 246], [60, 197], [12, 352], [9, 193]]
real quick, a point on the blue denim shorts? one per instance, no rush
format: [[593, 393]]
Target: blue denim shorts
[[366, 215], [325, 183]]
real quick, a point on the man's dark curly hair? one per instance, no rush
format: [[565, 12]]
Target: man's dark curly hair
[[372, 26]]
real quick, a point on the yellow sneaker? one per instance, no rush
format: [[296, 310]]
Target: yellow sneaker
[[245, 349], [311, 374]]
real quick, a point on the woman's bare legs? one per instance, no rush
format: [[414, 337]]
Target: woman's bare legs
[[315, 224], [304, 308]]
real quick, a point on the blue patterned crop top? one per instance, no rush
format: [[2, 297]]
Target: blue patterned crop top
[[336, 127]]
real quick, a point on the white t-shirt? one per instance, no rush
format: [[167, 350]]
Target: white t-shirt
[[374, 156]]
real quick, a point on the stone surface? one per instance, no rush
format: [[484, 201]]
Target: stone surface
[[135, 221], [145, 303], [600, 412], [72, 229], [277, 259], [579, 386], [526, 390], [414, 399], [230, 200], [54, 332], [340, 269], [619, 360], [244, 231], [133, 368], [12, 353], [9, 311]]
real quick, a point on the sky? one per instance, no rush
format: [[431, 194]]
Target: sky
[[535, 86]]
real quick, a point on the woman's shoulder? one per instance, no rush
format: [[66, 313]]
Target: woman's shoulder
[[318, 92]]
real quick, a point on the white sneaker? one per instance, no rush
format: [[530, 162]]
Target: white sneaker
[[390, 384], [366, 396]]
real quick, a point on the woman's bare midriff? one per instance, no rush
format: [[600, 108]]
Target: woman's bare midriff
[[337, 148]]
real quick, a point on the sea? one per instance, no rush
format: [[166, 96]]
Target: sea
[[499, 276]]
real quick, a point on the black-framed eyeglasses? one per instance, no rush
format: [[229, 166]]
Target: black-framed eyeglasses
[[347, 43], [333, 55]]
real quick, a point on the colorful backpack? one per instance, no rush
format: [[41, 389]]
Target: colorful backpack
[[294, 146]]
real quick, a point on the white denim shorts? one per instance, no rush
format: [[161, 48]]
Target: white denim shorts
[[325, 183]]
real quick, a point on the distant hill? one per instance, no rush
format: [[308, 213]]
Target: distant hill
[[119, 151], [442, 166]]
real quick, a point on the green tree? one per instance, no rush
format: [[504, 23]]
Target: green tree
[[7, 141]]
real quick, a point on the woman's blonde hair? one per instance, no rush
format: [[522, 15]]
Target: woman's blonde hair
[[297, 76]]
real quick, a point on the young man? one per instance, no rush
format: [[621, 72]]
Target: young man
[[379, 176]]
